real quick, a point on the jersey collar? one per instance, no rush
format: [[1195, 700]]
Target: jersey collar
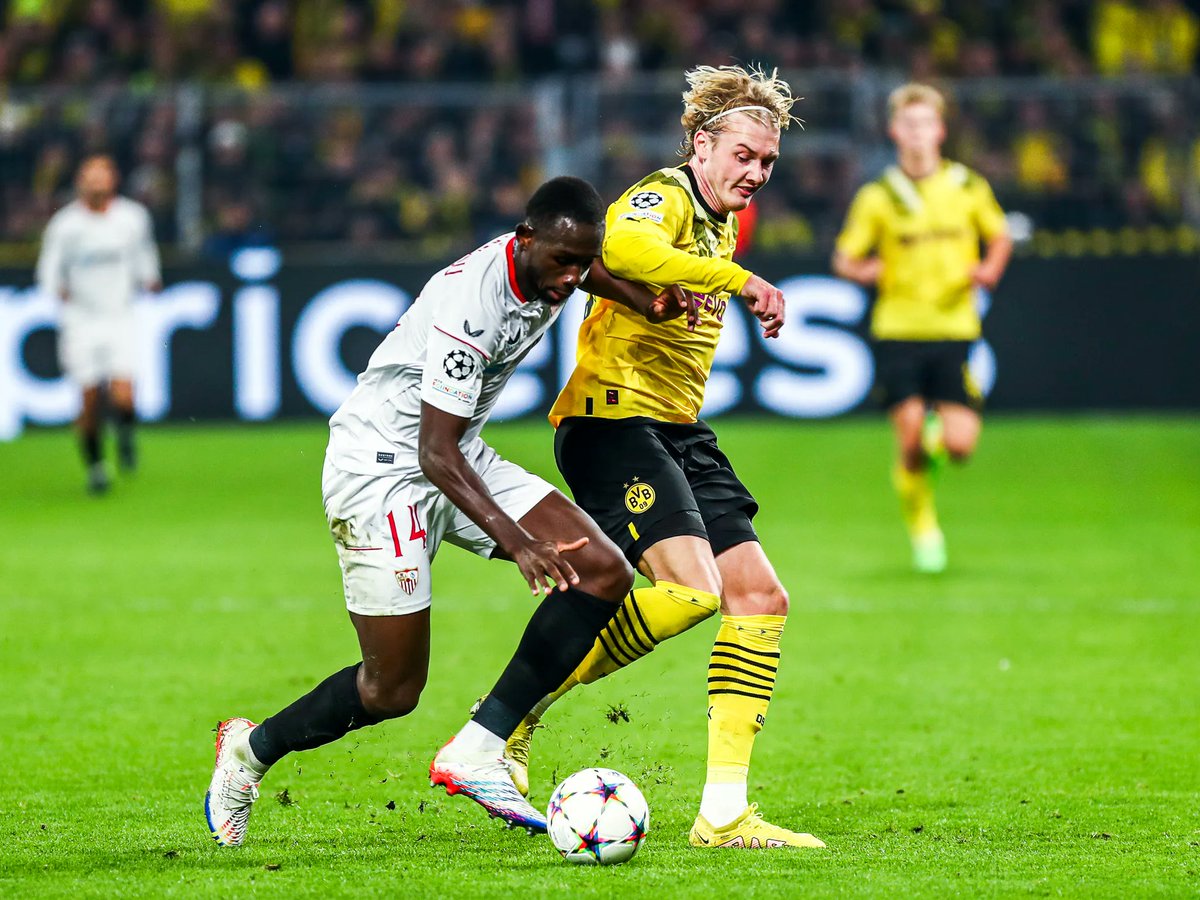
[[712, 213], [512, 270]]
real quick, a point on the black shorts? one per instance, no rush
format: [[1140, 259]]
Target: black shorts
[[643, 481], [933, 370]]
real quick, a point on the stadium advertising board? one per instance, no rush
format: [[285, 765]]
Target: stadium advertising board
[[259, 340]]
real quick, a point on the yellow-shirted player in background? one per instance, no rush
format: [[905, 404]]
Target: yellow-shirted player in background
[[630, 444], [915, 232]]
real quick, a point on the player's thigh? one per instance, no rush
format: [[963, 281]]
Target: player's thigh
[[961, 426], [684, 559], [949, 376], [898, 372], [908, 418], [80, 350], [629, 478], [120, 392], [726, 505], [602, 569], [752, 588], [119, 343], [386, 530]]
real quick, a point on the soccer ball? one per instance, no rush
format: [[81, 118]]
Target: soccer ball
[[597, 817]]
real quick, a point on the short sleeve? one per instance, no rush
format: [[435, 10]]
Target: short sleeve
[[861, 231], [989, 217]]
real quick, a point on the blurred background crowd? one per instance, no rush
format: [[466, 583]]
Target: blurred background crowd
[[419, 126]]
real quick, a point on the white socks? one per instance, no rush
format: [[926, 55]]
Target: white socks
[[720, 804], [474, 738]]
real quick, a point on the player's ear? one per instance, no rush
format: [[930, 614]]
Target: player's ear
[[525, 233]]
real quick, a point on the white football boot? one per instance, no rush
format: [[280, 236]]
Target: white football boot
[[234, 785], [485, 779]]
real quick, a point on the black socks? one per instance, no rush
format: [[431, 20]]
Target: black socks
[[559, 635], [326, 713]]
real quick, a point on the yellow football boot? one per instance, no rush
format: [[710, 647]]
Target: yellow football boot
[[516, 753], [748, 832]]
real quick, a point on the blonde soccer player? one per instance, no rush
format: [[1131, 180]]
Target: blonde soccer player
[[638, 459], [915, 234], [97, 253]]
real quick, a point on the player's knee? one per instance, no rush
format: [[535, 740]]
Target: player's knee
[[390, 700], [959, 447], [608, 575], [771, 600]]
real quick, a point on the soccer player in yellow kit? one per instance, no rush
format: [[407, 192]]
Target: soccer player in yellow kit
[[630, 444], [915, 232]]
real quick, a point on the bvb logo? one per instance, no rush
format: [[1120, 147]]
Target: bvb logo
[[639, 498], [645, 199], [459, 365]]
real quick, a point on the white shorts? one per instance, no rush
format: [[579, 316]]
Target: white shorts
[[388, 528], [94, 348]]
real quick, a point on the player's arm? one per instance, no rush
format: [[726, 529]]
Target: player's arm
[[639, 245], [443, 463], [852, 256], [51, 258], [989, 219], [671, 303], [149, 268]]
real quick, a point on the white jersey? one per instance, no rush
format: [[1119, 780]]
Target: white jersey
[[101, 259], [454, 349]]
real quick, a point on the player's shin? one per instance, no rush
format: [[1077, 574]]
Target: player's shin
[[916, 500], [559, 634], [741, 678], [327, 712], [647, 617]]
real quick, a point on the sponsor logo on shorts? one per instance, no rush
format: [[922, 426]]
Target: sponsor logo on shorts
[[639, 498], [408, 579], [645, 199], [459, 365]]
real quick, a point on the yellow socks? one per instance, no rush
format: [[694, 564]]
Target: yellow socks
[[647, 616], [741, 678], [916, 500]]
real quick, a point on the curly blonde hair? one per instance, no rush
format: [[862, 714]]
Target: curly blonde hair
[[715, 90]]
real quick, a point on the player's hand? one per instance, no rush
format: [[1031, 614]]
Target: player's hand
[[65, 294], [674, 302], [985, 276], [544, 568], [767, 304], [154, 287]]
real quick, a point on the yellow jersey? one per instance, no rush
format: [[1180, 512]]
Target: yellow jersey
[[659, 232], [927, 234]]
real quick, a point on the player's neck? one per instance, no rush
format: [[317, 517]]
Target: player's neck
[[706, 191], [919, 166], [525, 279], [98, 206]]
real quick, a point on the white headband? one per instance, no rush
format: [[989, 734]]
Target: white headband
[[733, 110]]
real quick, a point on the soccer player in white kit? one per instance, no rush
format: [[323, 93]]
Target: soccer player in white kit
[[97, 253], [406, 470]]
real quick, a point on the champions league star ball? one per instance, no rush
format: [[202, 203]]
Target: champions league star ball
[[597, 817]]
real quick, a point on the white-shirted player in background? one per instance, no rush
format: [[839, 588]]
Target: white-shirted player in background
[[406, 469], [97, 253]]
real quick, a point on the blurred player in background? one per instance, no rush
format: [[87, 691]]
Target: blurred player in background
[[630, 444], [406, 468], [915, 232], [97, 253]]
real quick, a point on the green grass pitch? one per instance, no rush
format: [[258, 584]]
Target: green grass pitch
[[1027, 724]]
